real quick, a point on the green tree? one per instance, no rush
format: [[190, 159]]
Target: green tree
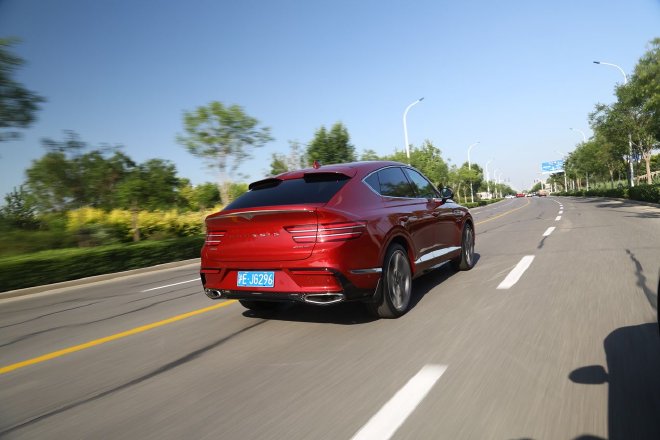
[[198, 197], [295, 160], [66, 178], [427, 159], [18, 212], [645, 85], [329, 147], [18, 105], [151, 185], [369, 155], [278, 164], [222, 135]]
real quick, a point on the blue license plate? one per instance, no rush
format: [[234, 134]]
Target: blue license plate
[[255, 279]]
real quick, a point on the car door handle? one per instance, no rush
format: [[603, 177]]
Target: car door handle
[[403, 219], [435, 214]]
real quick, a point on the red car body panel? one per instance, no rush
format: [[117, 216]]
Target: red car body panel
[[332, 247]]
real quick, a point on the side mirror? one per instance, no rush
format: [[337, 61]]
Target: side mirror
[[446, 193]]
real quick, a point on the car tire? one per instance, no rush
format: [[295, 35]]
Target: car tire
[[396, 286], [259, 306], [466, 260]]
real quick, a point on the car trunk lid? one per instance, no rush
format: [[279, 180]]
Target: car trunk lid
[[261, 234]]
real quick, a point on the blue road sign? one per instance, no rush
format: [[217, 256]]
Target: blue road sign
[[554, 166]]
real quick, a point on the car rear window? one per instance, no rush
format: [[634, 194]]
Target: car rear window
[[313, 188]]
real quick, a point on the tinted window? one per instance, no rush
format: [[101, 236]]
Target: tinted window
[[393, 183], [313, 188], [423, 187], [373, 182]]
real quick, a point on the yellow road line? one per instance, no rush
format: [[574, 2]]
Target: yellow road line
[[502, 215], [114, 337]]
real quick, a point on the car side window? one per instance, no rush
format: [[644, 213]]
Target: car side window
[[393, 183], [423, 187]]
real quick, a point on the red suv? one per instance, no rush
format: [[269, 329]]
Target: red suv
[[351, 232]]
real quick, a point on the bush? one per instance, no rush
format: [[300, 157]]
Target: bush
[[54, 266], [646, 193]]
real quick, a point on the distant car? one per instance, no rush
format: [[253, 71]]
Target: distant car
[[509, 196], [360, 231], [520, 195]]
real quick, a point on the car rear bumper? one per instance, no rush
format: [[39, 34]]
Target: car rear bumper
[[320, 286]]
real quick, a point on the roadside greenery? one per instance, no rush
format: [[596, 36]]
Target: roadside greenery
[[20, 271], [632, 121]]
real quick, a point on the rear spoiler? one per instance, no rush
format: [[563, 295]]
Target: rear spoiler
[[310, 176]]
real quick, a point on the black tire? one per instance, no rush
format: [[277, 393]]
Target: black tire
[[396, 286], [466, 259], [259, 306]]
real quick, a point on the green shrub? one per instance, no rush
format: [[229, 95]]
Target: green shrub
[[54, 266], [646, 193]]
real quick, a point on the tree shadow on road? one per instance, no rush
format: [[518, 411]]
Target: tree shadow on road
[[633, 379]]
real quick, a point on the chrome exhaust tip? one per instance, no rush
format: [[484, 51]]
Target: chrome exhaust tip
[[323, 298], [213, 293]]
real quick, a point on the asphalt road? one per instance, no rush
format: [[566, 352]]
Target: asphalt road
[[552, 335]]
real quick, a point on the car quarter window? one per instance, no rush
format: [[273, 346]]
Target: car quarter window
[[421, 184], [393, 183]]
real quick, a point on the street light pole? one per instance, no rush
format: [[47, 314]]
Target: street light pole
[[631, 180], [488, 178], [405, 127], [470, 168]]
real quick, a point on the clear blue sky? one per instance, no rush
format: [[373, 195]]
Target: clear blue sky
[[514, 75]]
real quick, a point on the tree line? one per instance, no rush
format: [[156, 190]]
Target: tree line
[[632, 122]]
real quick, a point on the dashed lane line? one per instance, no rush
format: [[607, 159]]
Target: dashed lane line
[[517, 272], [169, 285], [391, 416]]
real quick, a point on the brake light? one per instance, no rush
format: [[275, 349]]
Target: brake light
[[302, 233], [326, 232], [214, 238]]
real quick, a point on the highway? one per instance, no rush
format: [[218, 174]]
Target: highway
[[552, 335]]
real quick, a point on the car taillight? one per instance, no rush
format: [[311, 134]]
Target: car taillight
[[303, 233], [326, 232], [214, 238]]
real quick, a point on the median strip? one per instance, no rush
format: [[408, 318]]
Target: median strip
[[114, 337]]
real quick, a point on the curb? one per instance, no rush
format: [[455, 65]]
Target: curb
[[97, 278]]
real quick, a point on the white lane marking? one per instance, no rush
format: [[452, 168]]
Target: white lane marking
[[516, 273], [548, 231], [558, 218], [169, 285], [392, 415], [561, 212]]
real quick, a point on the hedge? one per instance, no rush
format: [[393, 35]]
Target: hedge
[[479, 203], [54, 266], [644, 193]]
